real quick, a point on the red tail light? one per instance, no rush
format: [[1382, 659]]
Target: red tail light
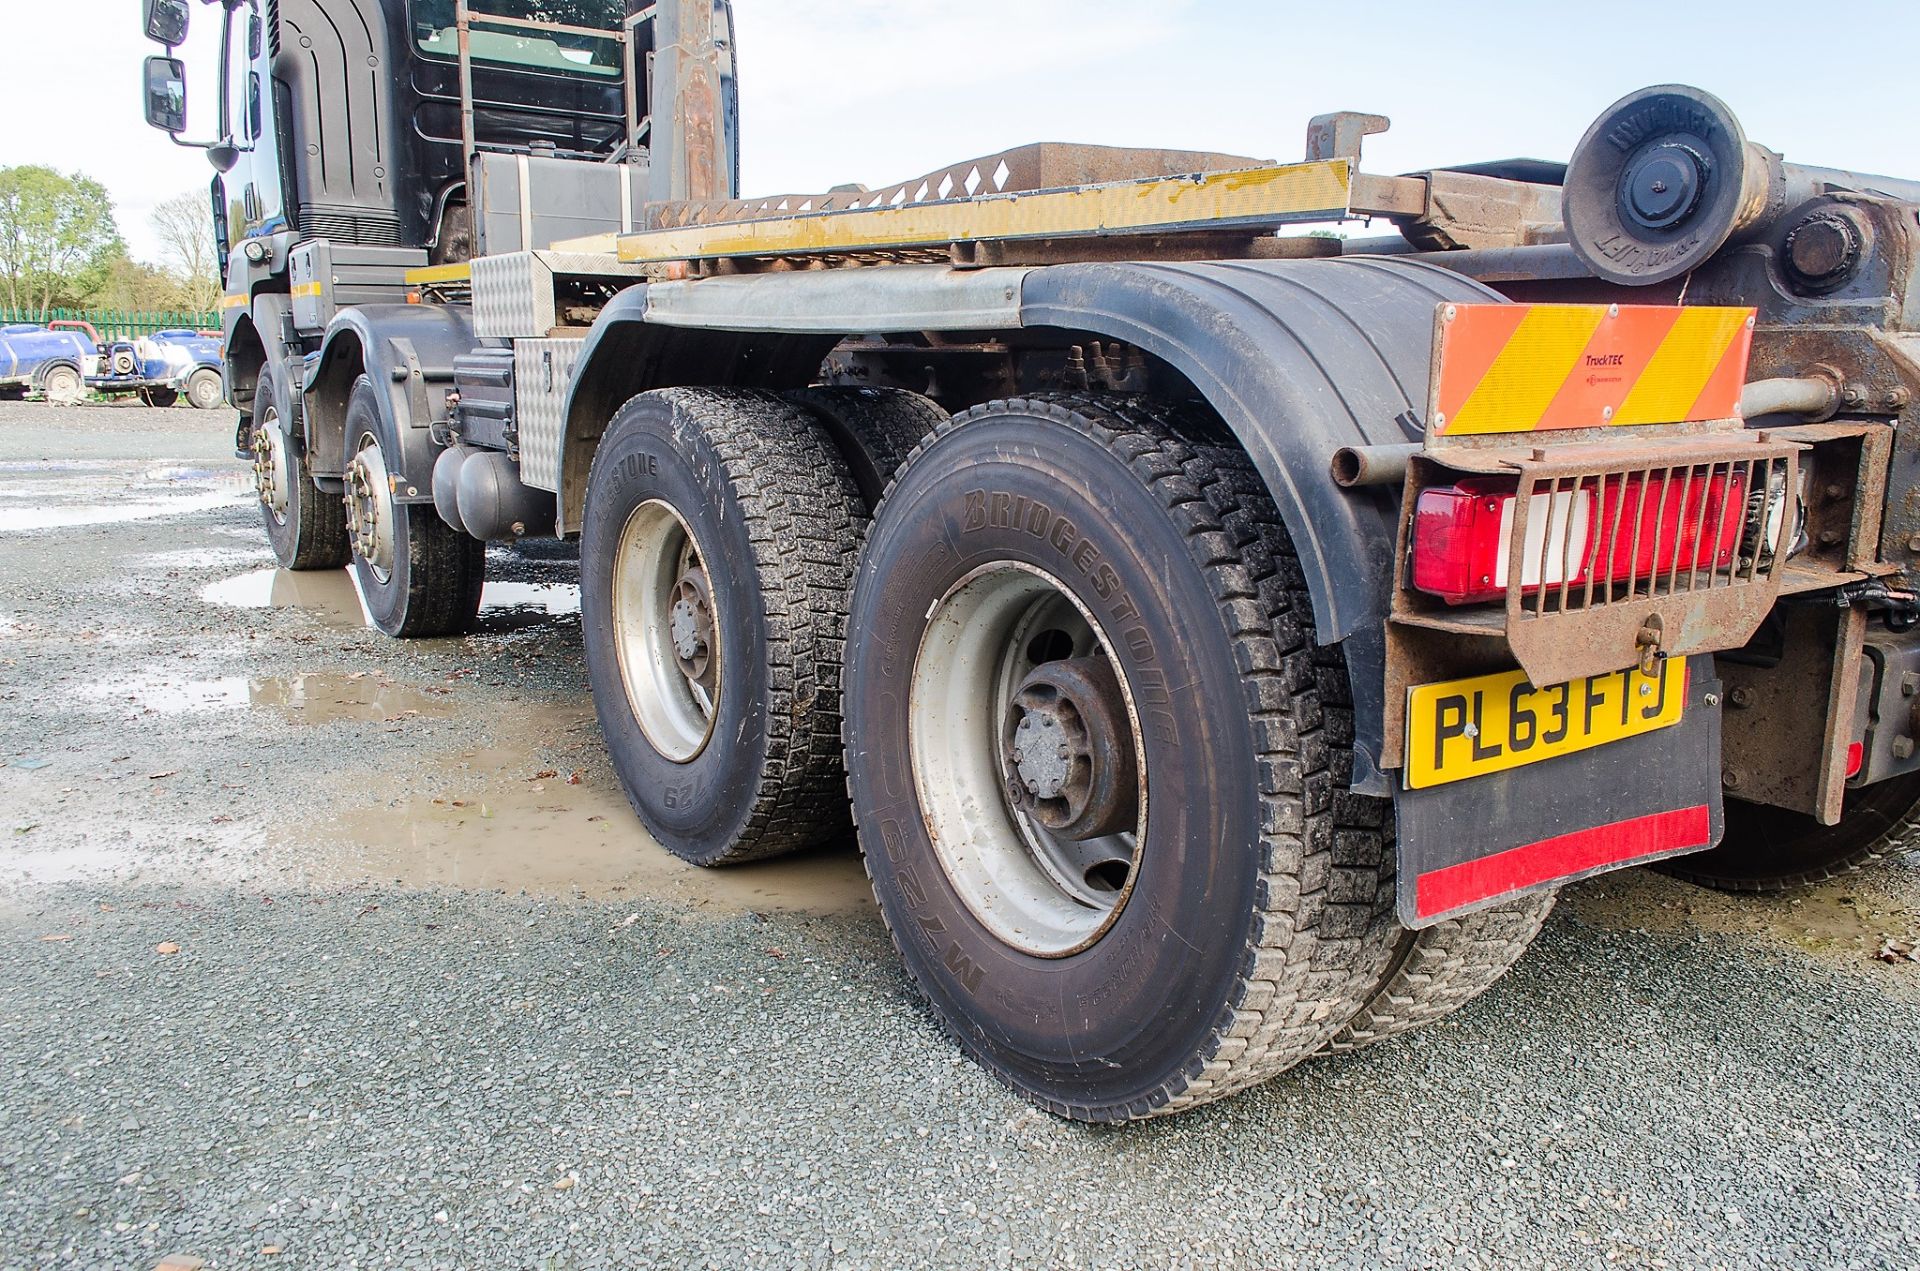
[[1606, 529]]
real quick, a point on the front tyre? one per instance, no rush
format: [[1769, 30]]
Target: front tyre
[[418, 575], [1097, 780], [1774, 850], [715, 556], [306, 527]]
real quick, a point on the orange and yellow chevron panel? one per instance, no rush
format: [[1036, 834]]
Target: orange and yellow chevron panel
[[1529, 368]]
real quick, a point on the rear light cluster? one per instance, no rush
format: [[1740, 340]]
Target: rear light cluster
[[1623, 528]]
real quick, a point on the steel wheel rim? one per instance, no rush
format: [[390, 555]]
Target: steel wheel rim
[[1033, 889], [370, 512], [270, 468], [670, 660], [61, 382]]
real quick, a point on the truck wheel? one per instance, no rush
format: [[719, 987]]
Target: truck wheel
[[306, 527], [62, 385], [715, 556], [1098, 786], [159, 397], [1439, 969], [203, 390], [419, 575], [874, 428], [1773, 850]]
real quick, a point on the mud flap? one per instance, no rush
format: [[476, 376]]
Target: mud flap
[[1474, 843]]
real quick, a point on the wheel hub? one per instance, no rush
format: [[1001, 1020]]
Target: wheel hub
[[690, 627], [270, 468], [369, 497], [666, 632], [1069, 749]]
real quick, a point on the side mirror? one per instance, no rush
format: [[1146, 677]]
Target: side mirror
[[166, 95], [167, 22]]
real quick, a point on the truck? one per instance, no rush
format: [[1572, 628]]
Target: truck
[[1223, 639]]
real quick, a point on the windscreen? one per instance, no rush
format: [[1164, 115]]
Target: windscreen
[[559, 52]]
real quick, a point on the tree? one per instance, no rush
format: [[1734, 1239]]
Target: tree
[[184, 225], [54, 228]]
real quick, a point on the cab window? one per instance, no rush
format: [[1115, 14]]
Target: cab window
[[559, 52]]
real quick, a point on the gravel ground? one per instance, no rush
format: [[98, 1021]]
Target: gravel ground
[[301, 972]]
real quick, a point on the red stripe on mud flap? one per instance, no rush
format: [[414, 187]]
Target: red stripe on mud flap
[[1457, 886]]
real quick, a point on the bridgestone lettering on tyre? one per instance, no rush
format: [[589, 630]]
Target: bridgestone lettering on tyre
[[715, 558], [1040, 542]]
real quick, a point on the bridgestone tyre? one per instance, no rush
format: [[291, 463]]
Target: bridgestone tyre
[[1439, 969], [745, 488], [310, 532], [204, 391], [1259, 915], [875, 429], [433, 583], [1773, 850]]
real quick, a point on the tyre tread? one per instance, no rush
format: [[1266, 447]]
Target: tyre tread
[[804, 521], [1325, 930]]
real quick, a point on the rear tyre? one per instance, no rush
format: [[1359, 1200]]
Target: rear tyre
[[715, 558], [1773, 850], [159, 397], [420, 576], [306, 526], [1093, 765], [204, 391], [1439, 969], [875, 429]]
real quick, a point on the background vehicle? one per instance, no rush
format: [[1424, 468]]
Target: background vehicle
[[1229, 640], [50, 361], [162, 368]]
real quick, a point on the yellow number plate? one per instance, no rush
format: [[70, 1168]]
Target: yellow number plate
[[1469, 728]]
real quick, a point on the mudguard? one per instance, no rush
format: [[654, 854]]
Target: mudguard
[[408, 352], [1300, 358]]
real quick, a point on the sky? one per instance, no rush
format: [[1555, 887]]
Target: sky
[[877, 91]]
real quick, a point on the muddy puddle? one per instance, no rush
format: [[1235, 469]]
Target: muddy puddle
[[332, 597], [1844, 921], [62, 494], [521, 816], [318, 697]]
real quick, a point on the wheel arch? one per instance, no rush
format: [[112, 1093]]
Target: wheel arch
[[408, 352], [53, 364], [246, 355], [1298, 358], [625, 354]]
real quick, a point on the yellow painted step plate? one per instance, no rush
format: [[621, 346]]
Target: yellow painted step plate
[[1247, 197], [1490, 723]]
